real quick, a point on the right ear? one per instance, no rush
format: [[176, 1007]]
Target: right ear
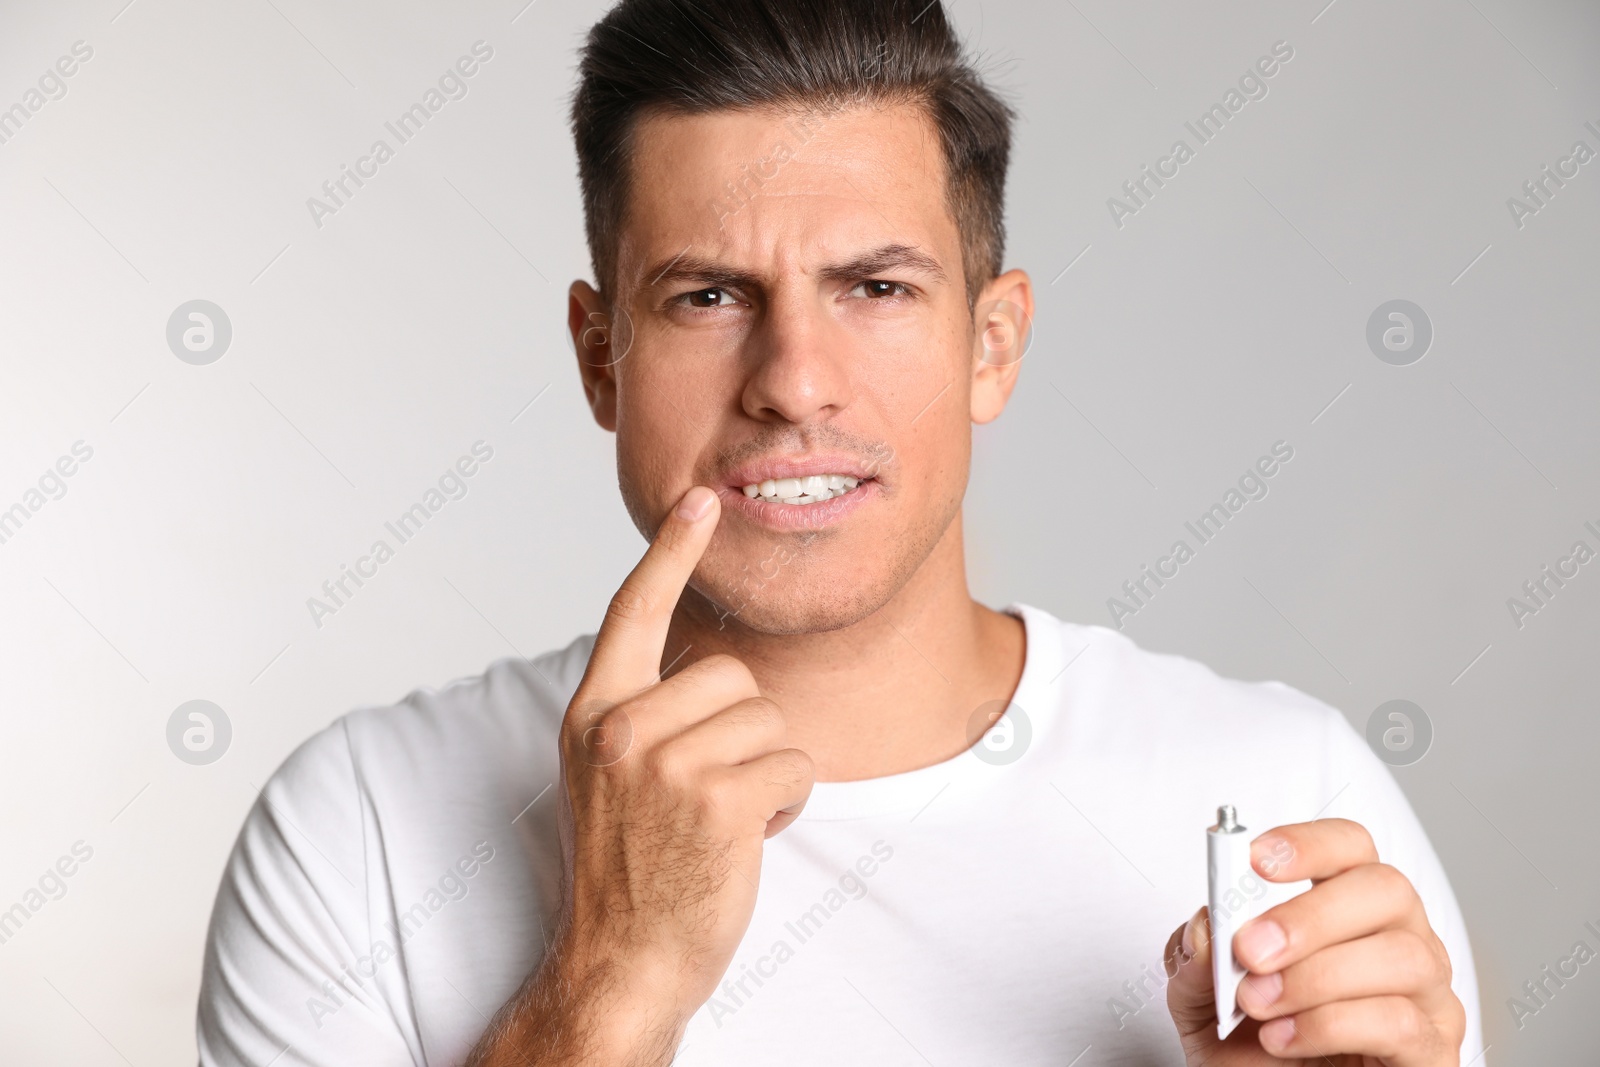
[[595, 339]]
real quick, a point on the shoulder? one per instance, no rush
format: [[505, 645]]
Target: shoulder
[[457, 741], [513, 703], [1156, 696]]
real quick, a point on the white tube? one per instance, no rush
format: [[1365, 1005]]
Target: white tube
[[1228, 867]]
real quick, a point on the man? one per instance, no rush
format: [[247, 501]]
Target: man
[[802, 800]]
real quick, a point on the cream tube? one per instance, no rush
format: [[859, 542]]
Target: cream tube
[[1228, 865]]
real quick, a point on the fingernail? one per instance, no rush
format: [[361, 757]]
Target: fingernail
[[1275, 853], [1190, 929], [1259, 942], [1267, 988], [695, 504], [1276, 1035]]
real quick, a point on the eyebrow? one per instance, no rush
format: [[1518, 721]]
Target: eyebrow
[[884, 259]]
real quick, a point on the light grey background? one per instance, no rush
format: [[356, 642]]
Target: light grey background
[[369, 353]]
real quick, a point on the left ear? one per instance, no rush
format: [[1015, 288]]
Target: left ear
[[1002, 327]]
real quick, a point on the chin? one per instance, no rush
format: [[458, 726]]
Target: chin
[[775, 610]]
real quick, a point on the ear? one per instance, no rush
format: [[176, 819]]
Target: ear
[[1002, 329], [599, 349]]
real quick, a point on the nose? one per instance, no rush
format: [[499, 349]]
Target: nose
[[799, 360]]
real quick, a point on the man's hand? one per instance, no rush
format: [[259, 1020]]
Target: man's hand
[[669, 789], [1348, 972]]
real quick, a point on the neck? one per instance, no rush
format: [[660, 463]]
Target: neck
[[892, 692]]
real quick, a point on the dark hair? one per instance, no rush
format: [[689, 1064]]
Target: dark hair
[[693, 56]]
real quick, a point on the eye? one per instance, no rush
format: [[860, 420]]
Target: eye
[[876, 289], [708, 298]]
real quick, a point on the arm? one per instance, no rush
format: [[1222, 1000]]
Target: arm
[[670, 789]]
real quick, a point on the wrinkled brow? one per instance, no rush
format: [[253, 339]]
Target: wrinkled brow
[[698, 270]]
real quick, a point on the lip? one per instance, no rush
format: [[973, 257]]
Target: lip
[[817, 516], [757, 471]]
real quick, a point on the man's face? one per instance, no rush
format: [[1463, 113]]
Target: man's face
[[791, 320]]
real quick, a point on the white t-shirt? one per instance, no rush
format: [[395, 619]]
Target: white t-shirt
[[1009, 906]]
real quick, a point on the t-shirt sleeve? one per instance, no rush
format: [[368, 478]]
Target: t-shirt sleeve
[[290, 977], [1369, 795]]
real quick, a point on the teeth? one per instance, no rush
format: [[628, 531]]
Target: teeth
[[811, 489]]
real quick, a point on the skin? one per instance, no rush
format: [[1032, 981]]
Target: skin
[[746, 657]]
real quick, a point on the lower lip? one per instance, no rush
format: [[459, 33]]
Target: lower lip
[[816, 516]]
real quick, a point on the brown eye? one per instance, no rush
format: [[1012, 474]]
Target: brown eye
[[877, 290], [706, 298]]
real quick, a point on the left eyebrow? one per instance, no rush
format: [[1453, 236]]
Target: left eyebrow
[[882, 261]]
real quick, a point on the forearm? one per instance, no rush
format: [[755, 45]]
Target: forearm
[[572, 1011]]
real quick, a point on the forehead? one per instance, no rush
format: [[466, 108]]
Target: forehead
[[776, 190]]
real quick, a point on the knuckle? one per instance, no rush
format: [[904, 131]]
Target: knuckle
[[1415, 959], [628, 604], [763, 712], [1410, 1026], [727, 672], [796, 765], [600, 736], [1389, 879], [1443, 971], [667, 766], [718, 798]]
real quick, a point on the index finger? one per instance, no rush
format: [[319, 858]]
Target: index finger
[[1316, 850], [627, 650]]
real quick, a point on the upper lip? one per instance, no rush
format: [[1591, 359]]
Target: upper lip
[[756, 471]]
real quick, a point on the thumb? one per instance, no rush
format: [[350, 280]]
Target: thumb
[[1190, 998]]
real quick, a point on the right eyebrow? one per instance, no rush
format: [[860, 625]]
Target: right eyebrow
[[701, 271]]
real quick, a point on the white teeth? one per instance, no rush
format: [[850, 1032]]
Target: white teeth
[[811, 489]]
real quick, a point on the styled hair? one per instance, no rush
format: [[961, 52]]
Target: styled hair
[[697, 56]]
